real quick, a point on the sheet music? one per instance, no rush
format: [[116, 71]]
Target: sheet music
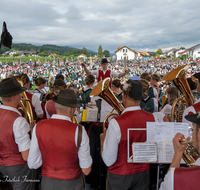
[[168, 151], [165, 131], [92, 114], [144, 152]]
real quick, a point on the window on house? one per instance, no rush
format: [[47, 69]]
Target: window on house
[[126, 50]]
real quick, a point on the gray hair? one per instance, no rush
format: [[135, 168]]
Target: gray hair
[[62, 108]]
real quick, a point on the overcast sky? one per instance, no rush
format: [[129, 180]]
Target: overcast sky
[[140, 25]]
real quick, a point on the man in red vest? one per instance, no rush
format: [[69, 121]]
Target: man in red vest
[[34, 100], [180, 177], [196, 106], [104, 72], [14, 137], [121, 174], [61, 147]]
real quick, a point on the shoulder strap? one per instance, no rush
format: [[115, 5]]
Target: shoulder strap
[[79, 136], [36, 90]]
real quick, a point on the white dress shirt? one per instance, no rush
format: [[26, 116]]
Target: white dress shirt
[[37, 105], [112, 139], [168, 183], [112, 73], [38, 93], [21, 129], [35, 156]]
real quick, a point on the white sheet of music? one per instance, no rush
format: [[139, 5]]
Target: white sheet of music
[[92, 114], [165, 131], [144, 152]]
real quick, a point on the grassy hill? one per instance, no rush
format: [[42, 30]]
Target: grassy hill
[[45, 47]]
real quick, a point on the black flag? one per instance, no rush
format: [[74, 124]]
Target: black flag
[[6, 38]]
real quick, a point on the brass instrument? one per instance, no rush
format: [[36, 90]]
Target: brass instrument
[[103, 90], [177, 76], [190, 155], [194, 79], [25, 104]]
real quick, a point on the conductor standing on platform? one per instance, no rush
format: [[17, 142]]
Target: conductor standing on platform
[[61, 146], [104, 72], [121, 174]]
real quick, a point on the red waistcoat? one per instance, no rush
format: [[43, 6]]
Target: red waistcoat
[[9, 152], [187, 178], [50, 107], [130, 119], [102, 76], [29, 96], [197, 107], [56, 140]]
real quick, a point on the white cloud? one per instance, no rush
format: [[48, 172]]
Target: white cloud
[[140, 25]]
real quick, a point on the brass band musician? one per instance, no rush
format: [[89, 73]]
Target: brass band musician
[[14, 136], [34, 100], [179, 177], [121, 174], [196, 106], [61, 146], [104, 72]]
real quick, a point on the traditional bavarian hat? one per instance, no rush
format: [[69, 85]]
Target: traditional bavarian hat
[[134, 89], [10, 87], [104, 60], [66, 97], [194, 118]]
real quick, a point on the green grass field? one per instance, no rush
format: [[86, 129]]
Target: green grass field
[[27, 59], [24, 59]]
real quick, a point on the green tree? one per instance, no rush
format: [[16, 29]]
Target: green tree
[[85, 51], [100, 52], [106, 53], [159, 51], [40, 50], [16, 54]]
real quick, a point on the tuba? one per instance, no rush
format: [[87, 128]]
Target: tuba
[[177, 76], [25, 104], [103, 90]]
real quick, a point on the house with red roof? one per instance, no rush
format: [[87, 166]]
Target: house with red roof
[[126, 53]]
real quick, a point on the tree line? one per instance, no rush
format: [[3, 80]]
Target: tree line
[[47, 49]]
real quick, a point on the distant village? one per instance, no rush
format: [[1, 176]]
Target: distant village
[[129, 54]]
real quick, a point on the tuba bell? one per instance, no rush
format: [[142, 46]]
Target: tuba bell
[[177, 76], [103, 90]]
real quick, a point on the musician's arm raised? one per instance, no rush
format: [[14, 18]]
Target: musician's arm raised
[[123, 74], [85, 69]]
